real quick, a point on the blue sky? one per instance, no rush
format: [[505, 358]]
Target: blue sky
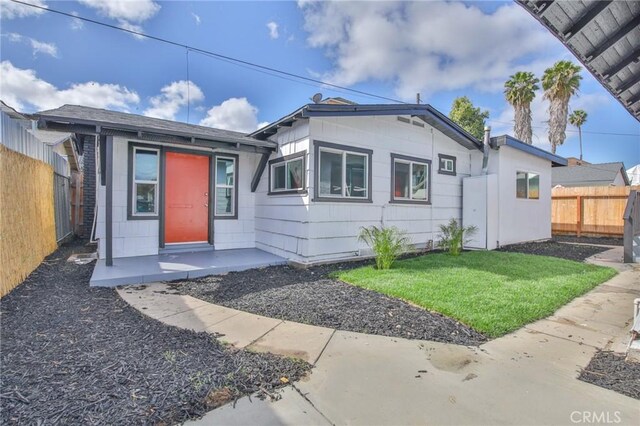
[[441, 50]]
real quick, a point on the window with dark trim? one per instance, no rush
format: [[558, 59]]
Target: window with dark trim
[[226, 186], [342, 173], [527, 185], [287, 174], [410, 180], [143, 174], [446, 164]]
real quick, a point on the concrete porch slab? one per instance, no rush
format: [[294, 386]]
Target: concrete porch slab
[[174, 266]]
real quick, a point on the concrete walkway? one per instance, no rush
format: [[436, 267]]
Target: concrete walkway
[[527, 377]]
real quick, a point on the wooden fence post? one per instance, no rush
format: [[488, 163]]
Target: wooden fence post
[[579, 215]]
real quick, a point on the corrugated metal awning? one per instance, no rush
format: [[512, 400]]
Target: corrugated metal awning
[[604, 35]]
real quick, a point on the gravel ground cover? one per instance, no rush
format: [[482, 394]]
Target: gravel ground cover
[[610, 371], [72, 354], [555, 249], [589, 240], [311, 296]]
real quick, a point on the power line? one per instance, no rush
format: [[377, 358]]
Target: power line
[[574, 131], [211, 54]]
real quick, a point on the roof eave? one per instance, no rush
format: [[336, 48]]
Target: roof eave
[[141, 129]]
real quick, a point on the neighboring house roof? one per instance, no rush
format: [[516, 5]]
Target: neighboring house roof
[[603, 35], [76, 115], [602, 174], [498, 141], [423, 111], [634, 175], [56, 138]]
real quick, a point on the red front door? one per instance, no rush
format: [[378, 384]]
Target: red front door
[[186, 210]]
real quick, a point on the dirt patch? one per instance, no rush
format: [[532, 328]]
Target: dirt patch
[[311, 296], [609, 370], [552, 248], [72, 354]]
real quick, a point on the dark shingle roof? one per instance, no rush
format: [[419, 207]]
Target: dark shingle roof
[[424, 111], [76, 114], [588, 174]]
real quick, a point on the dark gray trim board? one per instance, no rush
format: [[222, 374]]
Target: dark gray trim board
[[447, 157], [130, 149], [316, 162], [108, 217], [235, 185], [426, 161], [498, 141], [298, 155], [257, 175], [425, 112]]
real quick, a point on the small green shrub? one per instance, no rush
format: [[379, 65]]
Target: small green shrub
[[454, 237], [387, 244]]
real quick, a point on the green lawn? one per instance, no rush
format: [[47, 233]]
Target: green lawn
[[493, 292]]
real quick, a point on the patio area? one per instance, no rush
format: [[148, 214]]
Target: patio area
[[174, 266]]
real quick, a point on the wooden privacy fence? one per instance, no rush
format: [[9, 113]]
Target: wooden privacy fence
[[589, 210]]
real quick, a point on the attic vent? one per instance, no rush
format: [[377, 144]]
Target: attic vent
[[404, 120], [417, 123]]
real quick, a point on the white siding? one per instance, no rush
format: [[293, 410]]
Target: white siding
[[141, 237], [130, 237], [281, 220], [239, 233], [334, 226], [521, 219]]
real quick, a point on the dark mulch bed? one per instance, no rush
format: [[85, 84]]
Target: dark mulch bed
[[72, 354], [610, 371], [553, 248], [589, 240], [310, 296]]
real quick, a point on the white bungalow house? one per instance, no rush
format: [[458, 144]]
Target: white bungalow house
[[301, 188]]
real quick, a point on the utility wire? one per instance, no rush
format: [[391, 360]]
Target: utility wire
[[210, 53], [573, 131]]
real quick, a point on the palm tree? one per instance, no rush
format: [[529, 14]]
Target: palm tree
[[560, 82], [578, 118], [519, 91]]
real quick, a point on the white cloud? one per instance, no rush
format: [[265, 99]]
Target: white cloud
[[172, 98], [42, 47], [425, 46], [11, 10], [129, 13], [37, 46], [23, 90], [273, 30], [126, 10], [76, 24], [132, 27], [197, 18], [233, 114]]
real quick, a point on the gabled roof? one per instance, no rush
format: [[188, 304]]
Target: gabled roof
[[498, 141], [604, 36], [122, 121], [602, 174], [426, 112]]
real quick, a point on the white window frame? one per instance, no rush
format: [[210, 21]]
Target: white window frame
[[426, 189], [225, 186], [527, 176], [285, 164], [344, 153], [135, 182], [448, 165]]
